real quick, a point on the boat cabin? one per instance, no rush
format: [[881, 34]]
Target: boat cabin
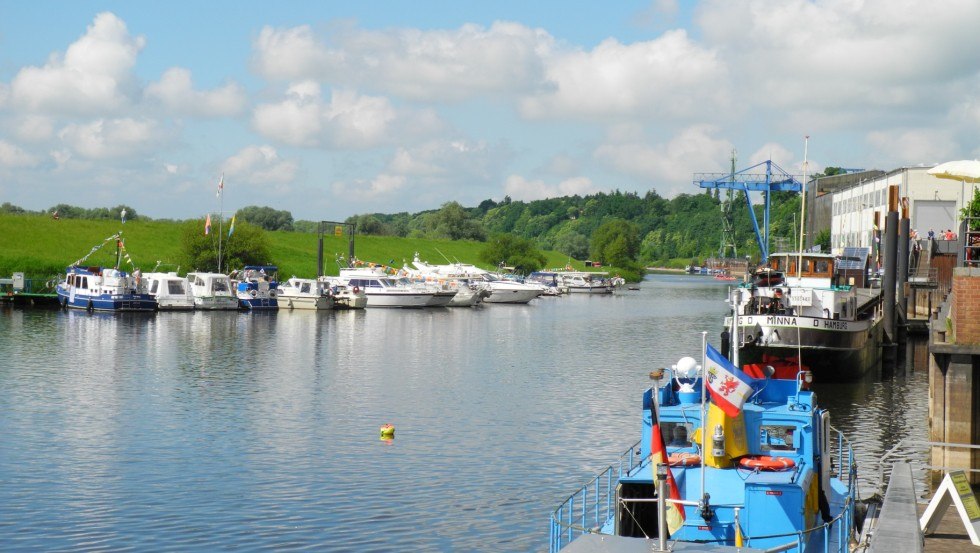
[[808, 269]]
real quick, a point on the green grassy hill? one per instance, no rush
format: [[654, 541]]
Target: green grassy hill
[[40, 246]]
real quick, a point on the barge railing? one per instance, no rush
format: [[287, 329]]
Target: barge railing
[[588, 510]]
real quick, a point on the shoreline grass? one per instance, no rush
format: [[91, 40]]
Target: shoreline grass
[[40, 246]]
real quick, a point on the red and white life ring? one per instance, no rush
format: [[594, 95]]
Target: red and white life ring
[[684, 460], [765, 462]]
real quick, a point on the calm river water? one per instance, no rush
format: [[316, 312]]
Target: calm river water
[[199, 431]]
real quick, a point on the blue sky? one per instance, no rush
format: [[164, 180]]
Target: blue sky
[[330, 109]]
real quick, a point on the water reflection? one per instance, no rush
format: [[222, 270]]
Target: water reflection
[[192, 431]]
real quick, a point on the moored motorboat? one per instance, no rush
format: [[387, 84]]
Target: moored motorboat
[[344, 297], [449, 278], [97, 288], [305, 293], [212, 291], [579, 282], [171, 291], [382, 290], [103, 289], [257, 288], [821, 314], [764, 472]]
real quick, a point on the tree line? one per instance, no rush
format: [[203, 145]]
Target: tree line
[[624, 229]]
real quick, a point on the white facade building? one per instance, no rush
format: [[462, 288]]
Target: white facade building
[[934, 204]]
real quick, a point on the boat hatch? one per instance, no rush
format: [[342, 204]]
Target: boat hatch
[[636, 519]]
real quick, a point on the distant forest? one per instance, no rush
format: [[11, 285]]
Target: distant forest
[[685, 227], [675, 231]]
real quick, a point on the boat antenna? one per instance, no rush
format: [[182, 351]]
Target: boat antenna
[[444, 256], [799, 259]]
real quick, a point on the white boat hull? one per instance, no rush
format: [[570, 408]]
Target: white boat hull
[[216, 303], [384, 299]]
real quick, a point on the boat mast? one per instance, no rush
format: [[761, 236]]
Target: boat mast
[[799, 260]]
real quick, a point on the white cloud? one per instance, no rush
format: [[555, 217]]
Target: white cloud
[[522, 189], [111, 138], [93, 76], [864, 58], [433, 65], [175, 91], [669, 77], [912, 146], [669, 167], [348, 121], [12, 156], [260, 165], [383, 185], [34, 128]]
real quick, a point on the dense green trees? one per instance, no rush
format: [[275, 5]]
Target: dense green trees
[[616, 242], [512, 251], [266, 217], [246, 246]]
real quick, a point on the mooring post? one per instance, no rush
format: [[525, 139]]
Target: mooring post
[[889, 239], [903, 274]]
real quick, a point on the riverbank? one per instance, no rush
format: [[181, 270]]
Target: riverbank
[[671, 270]]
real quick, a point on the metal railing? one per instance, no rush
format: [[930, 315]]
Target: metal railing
[[587, 510], [900, 452]]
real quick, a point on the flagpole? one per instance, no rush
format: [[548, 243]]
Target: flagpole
[[221, 212], [799, 259], [704, 420]]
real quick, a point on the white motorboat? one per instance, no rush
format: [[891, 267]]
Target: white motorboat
[[579, 282], [511, 291], [173, 293], [466, 281], [212, 291], [305, 293], [344, 297], [383, 291]]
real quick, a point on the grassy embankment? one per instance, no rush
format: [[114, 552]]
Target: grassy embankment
[[42, 247]]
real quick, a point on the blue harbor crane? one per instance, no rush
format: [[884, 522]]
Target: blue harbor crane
[[752, 179]]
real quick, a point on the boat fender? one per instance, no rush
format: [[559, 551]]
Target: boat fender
[[357, 290], [766, 463], [387, 431], [253, 293], [684, 460]]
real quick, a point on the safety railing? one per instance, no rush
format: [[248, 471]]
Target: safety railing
[[588, 509], [591, 507], [911, 452]]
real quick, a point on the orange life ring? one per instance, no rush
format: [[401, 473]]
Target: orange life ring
[[684, 460], [765, 462], [356, 290]]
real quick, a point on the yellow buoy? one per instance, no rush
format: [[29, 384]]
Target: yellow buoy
[[387, 432]]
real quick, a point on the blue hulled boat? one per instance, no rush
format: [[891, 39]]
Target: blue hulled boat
[[97, 288], [774, 477], [103, 289], [257, 288]]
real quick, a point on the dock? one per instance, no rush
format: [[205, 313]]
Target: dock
[[20, 291]]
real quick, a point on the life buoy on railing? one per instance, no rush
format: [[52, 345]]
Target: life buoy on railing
[[357, 290], [272, 293], [684, 460], [765, 462], [253, 293]]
